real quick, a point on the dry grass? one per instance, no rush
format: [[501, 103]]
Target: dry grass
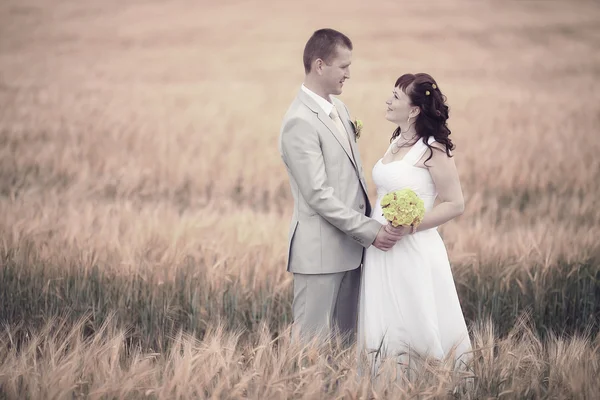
[[61, 361], [142, 195]]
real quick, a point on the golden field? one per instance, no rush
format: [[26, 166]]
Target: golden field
[[144, 207]]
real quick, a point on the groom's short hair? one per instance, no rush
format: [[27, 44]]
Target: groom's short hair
[[323, 44]]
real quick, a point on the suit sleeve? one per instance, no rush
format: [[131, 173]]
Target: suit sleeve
[[301, 151]]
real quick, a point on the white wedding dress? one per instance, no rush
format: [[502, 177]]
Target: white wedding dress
[[408, 300]]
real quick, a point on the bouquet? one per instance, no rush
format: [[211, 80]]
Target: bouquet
[[403, 207]]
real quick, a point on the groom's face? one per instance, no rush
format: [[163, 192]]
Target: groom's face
[[337, 71]]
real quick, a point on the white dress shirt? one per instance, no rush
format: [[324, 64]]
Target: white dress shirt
[[327, 106]]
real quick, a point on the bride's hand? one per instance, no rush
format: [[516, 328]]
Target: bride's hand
[[401, 230]]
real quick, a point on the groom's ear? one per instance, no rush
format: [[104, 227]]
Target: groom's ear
[[318, 66]]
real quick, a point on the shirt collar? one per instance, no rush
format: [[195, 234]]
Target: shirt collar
[[324, 104]]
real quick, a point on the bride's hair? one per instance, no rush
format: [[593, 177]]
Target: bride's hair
[[423, 92]]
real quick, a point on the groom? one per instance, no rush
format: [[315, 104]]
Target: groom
[[330, 225]]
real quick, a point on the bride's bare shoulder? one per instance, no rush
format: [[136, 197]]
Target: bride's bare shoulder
[[440, 147]]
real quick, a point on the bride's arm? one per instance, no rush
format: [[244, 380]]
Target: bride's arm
[[445, 176]]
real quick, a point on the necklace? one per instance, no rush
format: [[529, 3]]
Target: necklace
[[407, 139], [398, 144]]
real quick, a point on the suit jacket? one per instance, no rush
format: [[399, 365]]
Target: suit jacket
[[330, 228]]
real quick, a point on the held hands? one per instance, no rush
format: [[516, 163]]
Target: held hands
[[402, 230], [388, 236]]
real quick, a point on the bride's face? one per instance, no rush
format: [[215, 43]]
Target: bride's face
[[399, 107]]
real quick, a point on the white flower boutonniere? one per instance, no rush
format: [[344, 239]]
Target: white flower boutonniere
[[358, 125]]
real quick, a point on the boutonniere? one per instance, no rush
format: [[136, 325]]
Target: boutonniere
[[357, 124]]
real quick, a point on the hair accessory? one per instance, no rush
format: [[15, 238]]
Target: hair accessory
[[434, 86], [427, 93]]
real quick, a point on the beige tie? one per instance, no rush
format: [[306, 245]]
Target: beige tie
[[343, 134]]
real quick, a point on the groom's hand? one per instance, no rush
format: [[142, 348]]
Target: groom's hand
[[388, 236]]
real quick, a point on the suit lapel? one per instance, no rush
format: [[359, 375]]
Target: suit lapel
[[357, 162], [348, 125], [326, 120]]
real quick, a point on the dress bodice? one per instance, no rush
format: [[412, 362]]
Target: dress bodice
[[401, 174]]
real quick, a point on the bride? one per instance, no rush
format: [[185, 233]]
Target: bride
[[408, 300]]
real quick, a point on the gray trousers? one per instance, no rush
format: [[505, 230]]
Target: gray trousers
[[326, 303]]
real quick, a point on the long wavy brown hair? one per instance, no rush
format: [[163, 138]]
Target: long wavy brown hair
[[431, 121]]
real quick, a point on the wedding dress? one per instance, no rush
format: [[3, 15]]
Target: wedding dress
[[408, 300]]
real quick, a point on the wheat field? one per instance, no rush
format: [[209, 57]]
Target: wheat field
[[144, 207]]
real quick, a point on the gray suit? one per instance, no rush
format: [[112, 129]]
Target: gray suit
[[330, 228]]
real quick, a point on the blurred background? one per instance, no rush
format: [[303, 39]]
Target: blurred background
[[139, 170]]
